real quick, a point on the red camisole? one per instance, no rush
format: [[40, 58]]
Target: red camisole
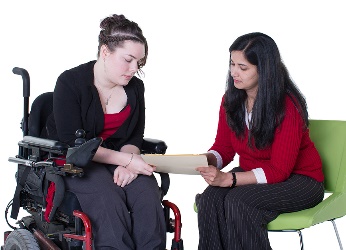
[[113, 121]]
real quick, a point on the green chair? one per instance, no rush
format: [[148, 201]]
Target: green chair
[[330, 140]]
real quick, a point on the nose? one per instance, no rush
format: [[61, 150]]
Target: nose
[[233, 71], [134, 66]]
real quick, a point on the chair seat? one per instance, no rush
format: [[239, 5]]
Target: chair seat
[[293, 221], [312, 216]]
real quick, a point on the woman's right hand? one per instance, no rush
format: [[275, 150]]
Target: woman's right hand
[[215, 177], [139, 166], [128, 155]]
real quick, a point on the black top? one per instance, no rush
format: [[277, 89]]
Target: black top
[[76, 105]]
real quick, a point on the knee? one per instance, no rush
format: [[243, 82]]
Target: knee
[[233, 198], [211, 197], [144, 190], [149, 187], [236, 203]]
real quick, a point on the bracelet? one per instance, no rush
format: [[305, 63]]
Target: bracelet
[[234, 180], [129, 161]]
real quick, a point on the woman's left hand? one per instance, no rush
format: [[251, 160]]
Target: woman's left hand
[[123, 176], [214, 177]]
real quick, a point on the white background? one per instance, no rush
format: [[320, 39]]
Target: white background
[[185, 74]]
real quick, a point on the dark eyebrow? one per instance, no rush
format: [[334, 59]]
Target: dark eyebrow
[[240, 64]]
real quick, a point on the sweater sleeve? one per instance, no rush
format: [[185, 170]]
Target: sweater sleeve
[[66, 108], [223, 143], [286, 145]]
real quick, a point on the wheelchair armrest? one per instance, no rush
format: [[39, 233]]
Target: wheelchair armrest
[[81, 155], [153, 146], [165, 183], [44, 144]]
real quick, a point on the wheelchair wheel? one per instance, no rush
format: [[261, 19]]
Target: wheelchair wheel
[[21, 239]]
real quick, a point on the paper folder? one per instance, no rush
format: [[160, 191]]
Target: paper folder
[[176, 164]]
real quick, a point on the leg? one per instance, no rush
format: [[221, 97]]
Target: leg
[[250, 208], [211, 220], [105, 204], [143, 199], [212, 225], [237, 218], [246, 223]]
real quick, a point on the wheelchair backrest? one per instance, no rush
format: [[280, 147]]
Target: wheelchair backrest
[[41, 108]]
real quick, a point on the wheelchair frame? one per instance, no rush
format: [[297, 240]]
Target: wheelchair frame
[[60, 236]]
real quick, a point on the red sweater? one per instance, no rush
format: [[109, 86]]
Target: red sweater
[[292, 151]]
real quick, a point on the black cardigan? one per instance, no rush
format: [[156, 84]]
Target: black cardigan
[[76, 105]]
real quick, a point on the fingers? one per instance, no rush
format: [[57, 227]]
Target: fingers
[[139, 166], [208, 178], [123, 177], [148, 170], [208, 169], [202, 169], [153, 167], [119, 180], [209, 173]]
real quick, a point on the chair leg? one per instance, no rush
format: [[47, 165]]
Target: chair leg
[[301, 239], [337, 234]]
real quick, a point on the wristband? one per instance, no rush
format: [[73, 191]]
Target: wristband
[[129, 161], [234, 179]]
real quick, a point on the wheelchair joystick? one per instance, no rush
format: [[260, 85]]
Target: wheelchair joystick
[[80, 134], [82, 153]]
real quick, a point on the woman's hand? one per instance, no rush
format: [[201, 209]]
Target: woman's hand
[[139, 166], [214, 177], [128, 156], [123, 176]]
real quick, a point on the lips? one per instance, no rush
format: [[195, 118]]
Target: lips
[[128, 77]]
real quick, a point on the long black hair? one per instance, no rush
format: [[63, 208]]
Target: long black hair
[[274, 84]]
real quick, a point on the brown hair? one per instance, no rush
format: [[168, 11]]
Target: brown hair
[[116, 29]]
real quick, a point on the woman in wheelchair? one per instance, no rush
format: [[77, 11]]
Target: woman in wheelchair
[[119, 191]]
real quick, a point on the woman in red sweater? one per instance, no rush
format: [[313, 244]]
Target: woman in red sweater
[[263, 118]]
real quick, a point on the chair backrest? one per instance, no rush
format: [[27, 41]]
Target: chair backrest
[[41, 108], [329, 137]]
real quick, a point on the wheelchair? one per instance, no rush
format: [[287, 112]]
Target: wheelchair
[[55, 219]]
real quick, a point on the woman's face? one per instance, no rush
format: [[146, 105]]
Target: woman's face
[[244, 74], [121, 64]]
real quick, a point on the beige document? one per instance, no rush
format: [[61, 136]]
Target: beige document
[[176, 164]]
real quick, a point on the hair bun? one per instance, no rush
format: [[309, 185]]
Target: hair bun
[[116, 20]]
